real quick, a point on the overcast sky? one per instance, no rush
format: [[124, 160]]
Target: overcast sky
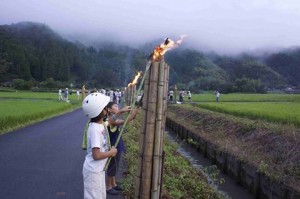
[[220, 25]]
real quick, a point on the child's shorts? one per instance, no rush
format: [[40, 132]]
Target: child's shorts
[[113, 165], [94, 184]]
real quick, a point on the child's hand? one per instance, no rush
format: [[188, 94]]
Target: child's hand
[[136, 111], [125, 109], [113, 151]]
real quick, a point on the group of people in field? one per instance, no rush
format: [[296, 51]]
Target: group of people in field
[[63, 95], [102, 141], [188, 93], [182, 93]]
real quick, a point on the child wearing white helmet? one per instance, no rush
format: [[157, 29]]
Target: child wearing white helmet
[[94, 107]]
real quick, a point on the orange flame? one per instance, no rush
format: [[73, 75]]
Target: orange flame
[[168, 44], [134, 82]]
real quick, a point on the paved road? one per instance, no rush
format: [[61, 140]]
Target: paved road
[[44, 160]]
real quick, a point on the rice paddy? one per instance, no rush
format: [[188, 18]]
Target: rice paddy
[[282, 108], [21, 108]]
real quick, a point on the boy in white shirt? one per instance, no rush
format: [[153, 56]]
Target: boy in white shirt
[[94, 107]]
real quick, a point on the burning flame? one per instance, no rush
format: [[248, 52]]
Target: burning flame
[[134, 82], [168, 44]]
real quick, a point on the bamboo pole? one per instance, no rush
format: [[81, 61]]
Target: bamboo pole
[[149, 133], [125, 95], [166, 89], [128, 96], [133, 97], [149, 172], [138, 176], [156, 170]]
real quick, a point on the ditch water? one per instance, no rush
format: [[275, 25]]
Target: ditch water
[[229, 189]]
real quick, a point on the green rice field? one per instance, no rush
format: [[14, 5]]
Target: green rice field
[[32, 95], [281, 108], [21, 108], [210, 97], [282, 112]]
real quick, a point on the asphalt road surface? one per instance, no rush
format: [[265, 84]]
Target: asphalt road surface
[[44, 160]]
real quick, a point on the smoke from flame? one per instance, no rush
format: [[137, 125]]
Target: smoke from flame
[[168, 44], [134, 81]]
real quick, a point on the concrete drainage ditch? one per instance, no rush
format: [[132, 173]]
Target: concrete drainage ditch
[[244, 174]]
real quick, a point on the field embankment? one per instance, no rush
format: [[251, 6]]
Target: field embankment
[[272, 149]]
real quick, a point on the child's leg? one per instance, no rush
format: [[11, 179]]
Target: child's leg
[[111, 172], [94, 184]]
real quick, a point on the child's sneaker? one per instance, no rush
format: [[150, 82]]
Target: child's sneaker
[[112, 191], [118, 188]]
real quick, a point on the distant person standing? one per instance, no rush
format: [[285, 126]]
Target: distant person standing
[[118, 96], [189, 94], [78, 94], [217, 96], [66, 95], [111, 95], [181, 95], [171, 94], [60, 97]]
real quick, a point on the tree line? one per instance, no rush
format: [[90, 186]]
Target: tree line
[[33, 55]]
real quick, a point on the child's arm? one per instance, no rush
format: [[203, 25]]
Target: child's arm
[[97, 155], [123, 110], [114, 121]]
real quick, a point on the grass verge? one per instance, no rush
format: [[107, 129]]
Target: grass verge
[[180, 179]]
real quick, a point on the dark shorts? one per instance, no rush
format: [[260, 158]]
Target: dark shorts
[[113, 165]]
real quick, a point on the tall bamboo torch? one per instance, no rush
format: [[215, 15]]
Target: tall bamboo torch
[[148, 177], [149, 171], [128, 102]]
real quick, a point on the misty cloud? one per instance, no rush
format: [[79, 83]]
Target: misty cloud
[[224, 26]]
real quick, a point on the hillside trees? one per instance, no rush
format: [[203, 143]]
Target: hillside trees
[[195, 70], [247, 70], [286, 63], [33, 52]]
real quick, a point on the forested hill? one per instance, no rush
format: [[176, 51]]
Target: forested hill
[[35, 54]]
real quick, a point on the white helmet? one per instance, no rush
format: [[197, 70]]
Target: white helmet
[[94, 103]]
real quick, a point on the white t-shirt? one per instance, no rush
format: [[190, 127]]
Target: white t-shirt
[[96, 137]]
